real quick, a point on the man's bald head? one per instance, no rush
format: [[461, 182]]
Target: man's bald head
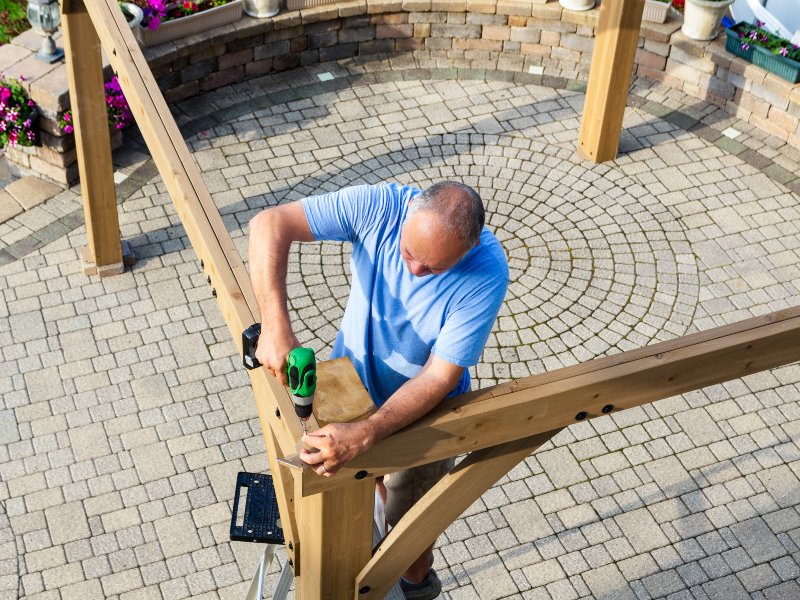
[[458, 207]]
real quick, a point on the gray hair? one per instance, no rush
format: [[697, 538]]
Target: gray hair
[[458, 206]]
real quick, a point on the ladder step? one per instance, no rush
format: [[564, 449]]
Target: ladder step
[[256, 521]]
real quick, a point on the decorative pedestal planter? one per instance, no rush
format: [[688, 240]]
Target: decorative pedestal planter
[[577, 4], [782, 67], [701, 18], [202, 21], [655, 11]]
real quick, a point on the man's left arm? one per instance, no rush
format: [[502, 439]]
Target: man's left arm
[[339, 443]]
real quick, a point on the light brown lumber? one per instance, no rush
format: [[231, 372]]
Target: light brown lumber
[[437, 509], [204, 226], [336, 539], [616, 38], [92, 139], [191, 198], [546, 402]]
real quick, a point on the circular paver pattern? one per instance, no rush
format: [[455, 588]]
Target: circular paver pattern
[[127, 414], [597, 264]]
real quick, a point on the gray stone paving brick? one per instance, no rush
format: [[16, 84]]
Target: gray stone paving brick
[[44, 384], [726, 588], [526, 521], [758, 540], [607, 583], [151, 392], [641, 530], [152, 462], [671, 477], [67, 522], [758, 577], [782, 485], [490, 577], [89, 441], [785, 591], [561, 467]]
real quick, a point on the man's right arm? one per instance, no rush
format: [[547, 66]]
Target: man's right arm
[[272, 232]]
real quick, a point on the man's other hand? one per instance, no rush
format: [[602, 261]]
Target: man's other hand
[[334, 445], [273, 351]]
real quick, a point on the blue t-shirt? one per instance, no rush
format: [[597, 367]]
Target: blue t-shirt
[[394, 320]]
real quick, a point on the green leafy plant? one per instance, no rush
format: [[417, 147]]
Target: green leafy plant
[[119, 113], [13, 20], [16, 114], [755, 35]]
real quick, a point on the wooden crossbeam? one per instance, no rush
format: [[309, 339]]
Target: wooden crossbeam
[[85, 73], [616, 38], [436, 510], [556, 399]]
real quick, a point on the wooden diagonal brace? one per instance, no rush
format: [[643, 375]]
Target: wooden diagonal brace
[[435, 511]]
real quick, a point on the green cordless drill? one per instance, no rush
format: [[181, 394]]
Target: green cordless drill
[[302, 372]]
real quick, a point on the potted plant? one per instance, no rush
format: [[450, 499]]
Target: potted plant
[[765, 49], [656, 10], [164, 22], [702, 18], [18, 115], [132, 13], [577, 4]]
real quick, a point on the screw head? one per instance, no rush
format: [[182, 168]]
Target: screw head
[[608, 408], [278, 412], [581, 416], [364, 589], [361, 474]]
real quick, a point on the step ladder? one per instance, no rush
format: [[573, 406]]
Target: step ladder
[[258, 521]]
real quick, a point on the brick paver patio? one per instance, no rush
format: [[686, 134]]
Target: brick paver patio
[[126, 414]]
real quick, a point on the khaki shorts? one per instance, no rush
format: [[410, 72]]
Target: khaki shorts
[[405, 488]]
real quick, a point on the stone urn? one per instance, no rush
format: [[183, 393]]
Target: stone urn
[[702, 18]]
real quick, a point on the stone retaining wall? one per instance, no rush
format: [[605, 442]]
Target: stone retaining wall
[[512, 35]]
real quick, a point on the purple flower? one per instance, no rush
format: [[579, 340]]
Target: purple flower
[[753, 35], [784, 51], [745, 46], [68, 129], [759, 23]]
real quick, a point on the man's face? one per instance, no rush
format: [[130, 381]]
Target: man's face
[[427, 247]]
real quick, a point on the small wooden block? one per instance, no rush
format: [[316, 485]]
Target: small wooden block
[[340, 395]]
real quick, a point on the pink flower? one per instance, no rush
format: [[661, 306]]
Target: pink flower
[[784, 51], [67, 117], [68, 129], [154, 23]]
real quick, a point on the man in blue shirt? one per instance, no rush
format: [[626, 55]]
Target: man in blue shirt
[[428, 280]]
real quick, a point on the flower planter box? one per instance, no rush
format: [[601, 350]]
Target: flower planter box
[[783, 67], [655, 12], [191, 24], [733, 43]]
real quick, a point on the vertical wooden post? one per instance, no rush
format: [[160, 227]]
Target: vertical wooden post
[[616, 38], [93, 141], [335, 539]]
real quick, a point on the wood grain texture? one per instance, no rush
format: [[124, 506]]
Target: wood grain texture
[[336, 539], [92, 138], [340, 397], [616, 38]]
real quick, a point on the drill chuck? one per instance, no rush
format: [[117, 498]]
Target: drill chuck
[[303, 406]]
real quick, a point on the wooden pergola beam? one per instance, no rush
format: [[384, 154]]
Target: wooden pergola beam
[[557, 399], [616, 38], [85, 73]]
